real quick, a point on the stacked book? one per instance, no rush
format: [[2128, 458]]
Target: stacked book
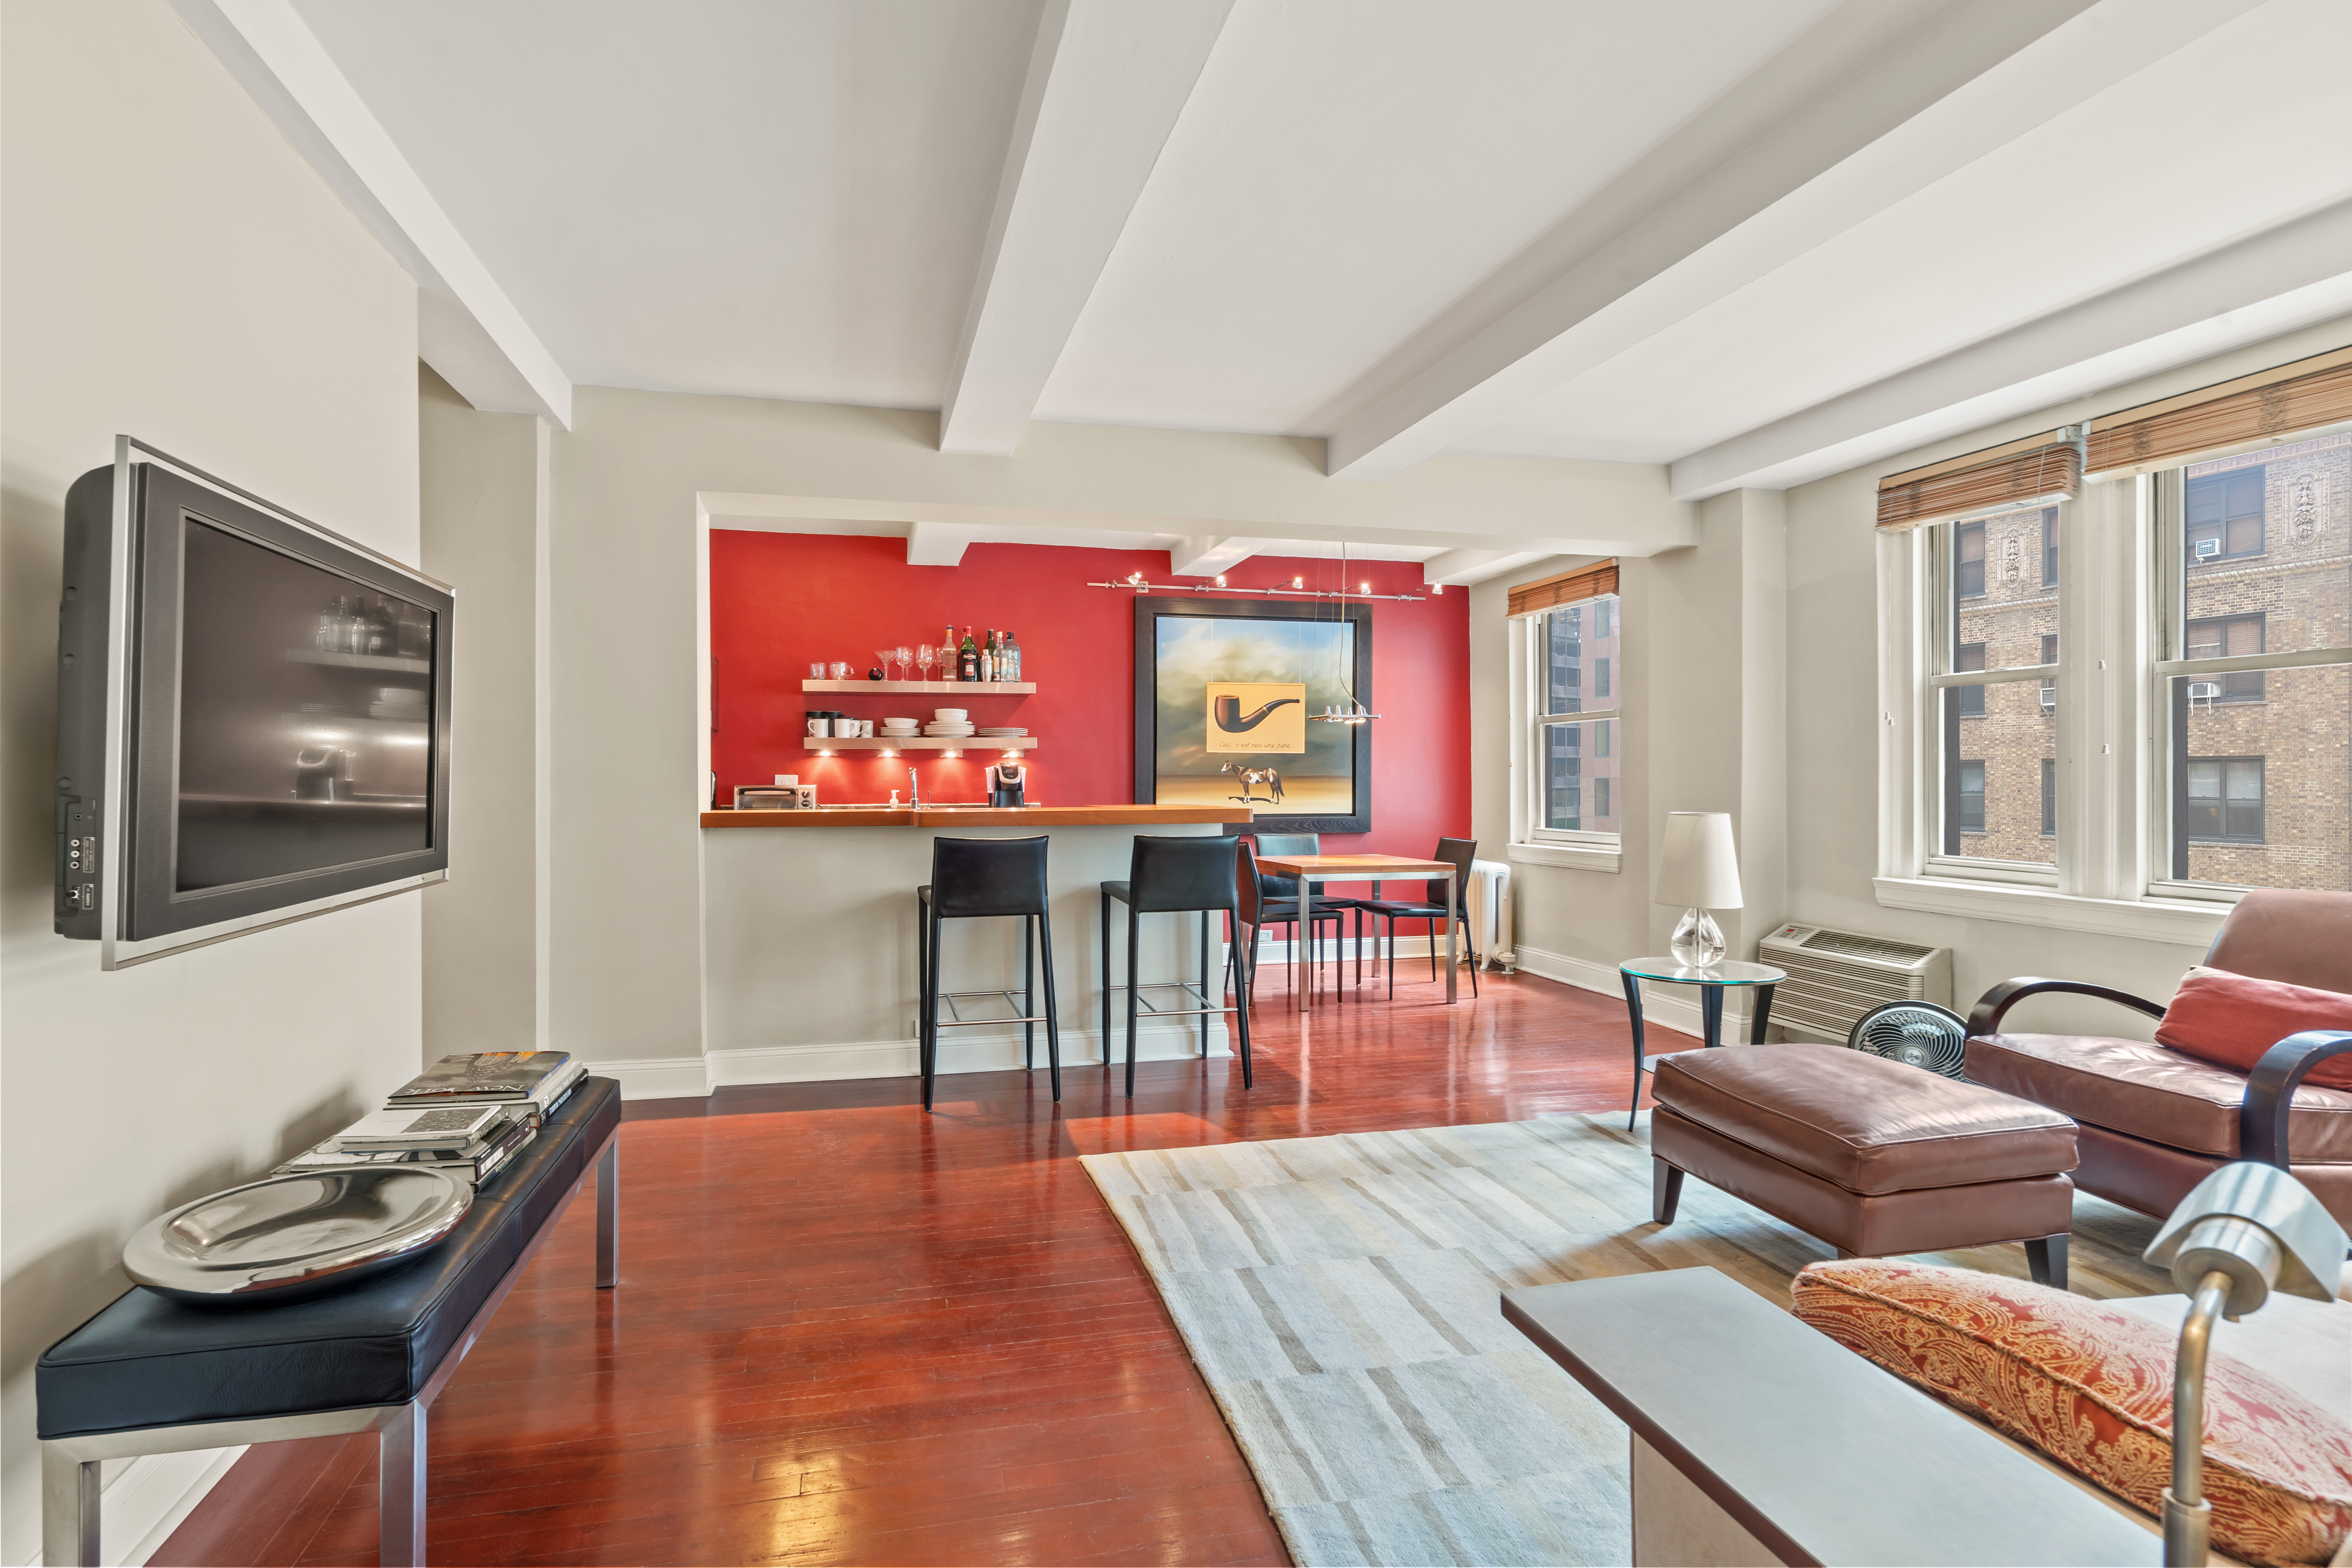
[[466, 1114]]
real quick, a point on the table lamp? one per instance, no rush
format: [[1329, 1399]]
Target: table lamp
[[2245, 1230], [1699, 870]]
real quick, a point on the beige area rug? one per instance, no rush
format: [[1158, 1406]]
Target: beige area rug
[[1339, 1295]]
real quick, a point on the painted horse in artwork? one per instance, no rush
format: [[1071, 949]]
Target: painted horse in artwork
[[1252, 777]]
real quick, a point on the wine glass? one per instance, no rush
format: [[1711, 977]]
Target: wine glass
[[904, 656], [882, 656], [926, 656]]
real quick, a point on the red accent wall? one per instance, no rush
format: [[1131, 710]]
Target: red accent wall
[[780, 602]]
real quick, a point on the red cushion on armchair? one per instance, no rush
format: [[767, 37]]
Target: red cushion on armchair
[[2233, 1019]]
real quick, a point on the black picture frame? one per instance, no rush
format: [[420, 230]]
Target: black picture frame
[[1150, 608]]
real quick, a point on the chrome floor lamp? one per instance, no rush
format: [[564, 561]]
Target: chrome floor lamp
[[2246, 1230]]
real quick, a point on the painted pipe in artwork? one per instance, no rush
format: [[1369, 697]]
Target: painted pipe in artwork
[[1230, 719]]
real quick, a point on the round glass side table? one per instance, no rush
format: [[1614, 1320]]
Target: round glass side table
[[1712, 982]]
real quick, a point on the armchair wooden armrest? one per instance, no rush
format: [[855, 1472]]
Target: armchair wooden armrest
[[1997, 1002], [2270, 1090]]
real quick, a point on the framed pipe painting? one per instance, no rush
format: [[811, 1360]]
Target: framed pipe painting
[[1224, 694]]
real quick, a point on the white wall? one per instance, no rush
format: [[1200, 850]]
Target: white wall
[[173, 270], [485, 526]]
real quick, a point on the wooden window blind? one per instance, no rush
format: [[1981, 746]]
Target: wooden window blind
[[1568, 588], [2035, 471], [2247, 412]]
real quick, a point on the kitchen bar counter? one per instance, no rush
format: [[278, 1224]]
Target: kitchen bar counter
[[972, 814], [809, 939]]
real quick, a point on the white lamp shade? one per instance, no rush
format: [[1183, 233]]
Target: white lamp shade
[[1699, 868]]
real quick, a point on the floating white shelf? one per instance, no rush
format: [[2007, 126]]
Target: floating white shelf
[[924, 743], [967, 687]]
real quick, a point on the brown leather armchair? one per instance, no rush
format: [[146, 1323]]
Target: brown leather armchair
[[2155, 1123]]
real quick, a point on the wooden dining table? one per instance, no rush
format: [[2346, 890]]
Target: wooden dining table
[[1312, 868]]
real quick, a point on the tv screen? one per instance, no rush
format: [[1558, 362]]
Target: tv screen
[[286, 696]]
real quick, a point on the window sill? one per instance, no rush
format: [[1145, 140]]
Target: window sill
[[1568, 857], [2191, 923]]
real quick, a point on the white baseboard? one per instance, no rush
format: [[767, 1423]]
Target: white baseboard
[[678, 1078], [1669, 1006], [984, 1053], [658, 1078], [148, 1498]]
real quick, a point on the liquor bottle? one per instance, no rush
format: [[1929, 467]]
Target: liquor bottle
[[328, 638], [1011, 657], [968, 658], [990, 665], [378, 628]]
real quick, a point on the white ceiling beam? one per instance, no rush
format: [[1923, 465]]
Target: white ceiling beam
[[1880, 100], [937, 543], [1107, 81], [2291, 276], [467, 328], [1456, 567], [1206, 554]]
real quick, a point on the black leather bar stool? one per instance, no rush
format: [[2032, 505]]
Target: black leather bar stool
[[975, 878], [1457, 853], [1174, 875], [1278, 899]]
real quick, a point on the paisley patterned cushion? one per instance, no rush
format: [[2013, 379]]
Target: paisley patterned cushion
[[2092, 1387]]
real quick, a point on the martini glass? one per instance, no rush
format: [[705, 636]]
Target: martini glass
[[883, 656]]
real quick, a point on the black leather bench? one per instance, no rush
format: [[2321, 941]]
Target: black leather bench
[[152, 1375]]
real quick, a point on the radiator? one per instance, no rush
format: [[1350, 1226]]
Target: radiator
[[1489, 902]]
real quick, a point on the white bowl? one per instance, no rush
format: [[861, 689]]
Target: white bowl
[[894, 720], [950, 715]]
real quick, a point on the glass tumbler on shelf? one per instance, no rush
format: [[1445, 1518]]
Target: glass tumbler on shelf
[[841, 670], [817, 672]]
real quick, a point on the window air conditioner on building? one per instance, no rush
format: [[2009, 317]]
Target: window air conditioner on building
[[1835, 976], [2207, 548], [2205, 691]]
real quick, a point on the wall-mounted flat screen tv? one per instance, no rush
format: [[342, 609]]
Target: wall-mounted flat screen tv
[[253, 714]]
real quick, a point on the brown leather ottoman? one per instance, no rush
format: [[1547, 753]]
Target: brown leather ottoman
[[1873, 1157]]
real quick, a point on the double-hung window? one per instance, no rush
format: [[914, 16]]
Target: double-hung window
[[2253, 677], [2128, 752], [1994, 620], [1570, 654]]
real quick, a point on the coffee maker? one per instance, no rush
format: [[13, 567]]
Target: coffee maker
[[1007, 782]]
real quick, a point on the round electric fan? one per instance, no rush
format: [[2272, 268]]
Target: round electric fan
[[1916, 1034]]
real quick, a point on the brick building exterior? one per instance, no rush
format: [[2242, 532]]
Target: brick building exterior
[[2003, 739], [2262, 787]]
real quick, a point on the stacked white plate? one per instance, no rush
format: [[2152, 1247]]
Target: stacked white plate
[[955, 729], [1001, 732]]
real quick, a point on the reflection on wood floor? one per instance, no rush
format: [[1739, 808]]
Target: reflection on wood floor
[[847, 1332]]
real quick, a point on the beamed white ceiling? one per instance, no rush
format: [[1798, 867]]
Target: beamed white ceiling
[[1759, 240]]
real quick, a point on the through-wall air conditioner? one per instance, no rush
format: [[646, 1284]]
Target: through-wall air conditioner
[[1836, 976]]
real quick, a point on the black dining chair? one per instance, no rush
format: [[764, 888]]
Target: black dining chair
[[1256, 912], [1173, 876], [1432, 908], [977, 878], [1279, 896]]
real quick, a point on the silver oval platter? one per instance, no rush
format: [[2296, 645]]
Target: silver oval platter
[[291, 1237]]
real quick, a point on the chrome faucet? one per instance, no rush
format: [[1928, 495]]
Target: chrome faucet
[[914, 787]]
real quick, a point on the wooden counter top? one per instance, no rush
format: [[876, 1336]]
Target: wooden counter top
[[952, 815]]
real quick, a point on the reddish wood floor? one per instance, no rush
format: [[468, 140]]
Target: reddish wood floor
[[847, 1332]]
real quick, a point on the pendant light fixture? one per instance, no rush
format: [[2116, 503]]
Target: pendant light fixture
[[1353, 711]]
